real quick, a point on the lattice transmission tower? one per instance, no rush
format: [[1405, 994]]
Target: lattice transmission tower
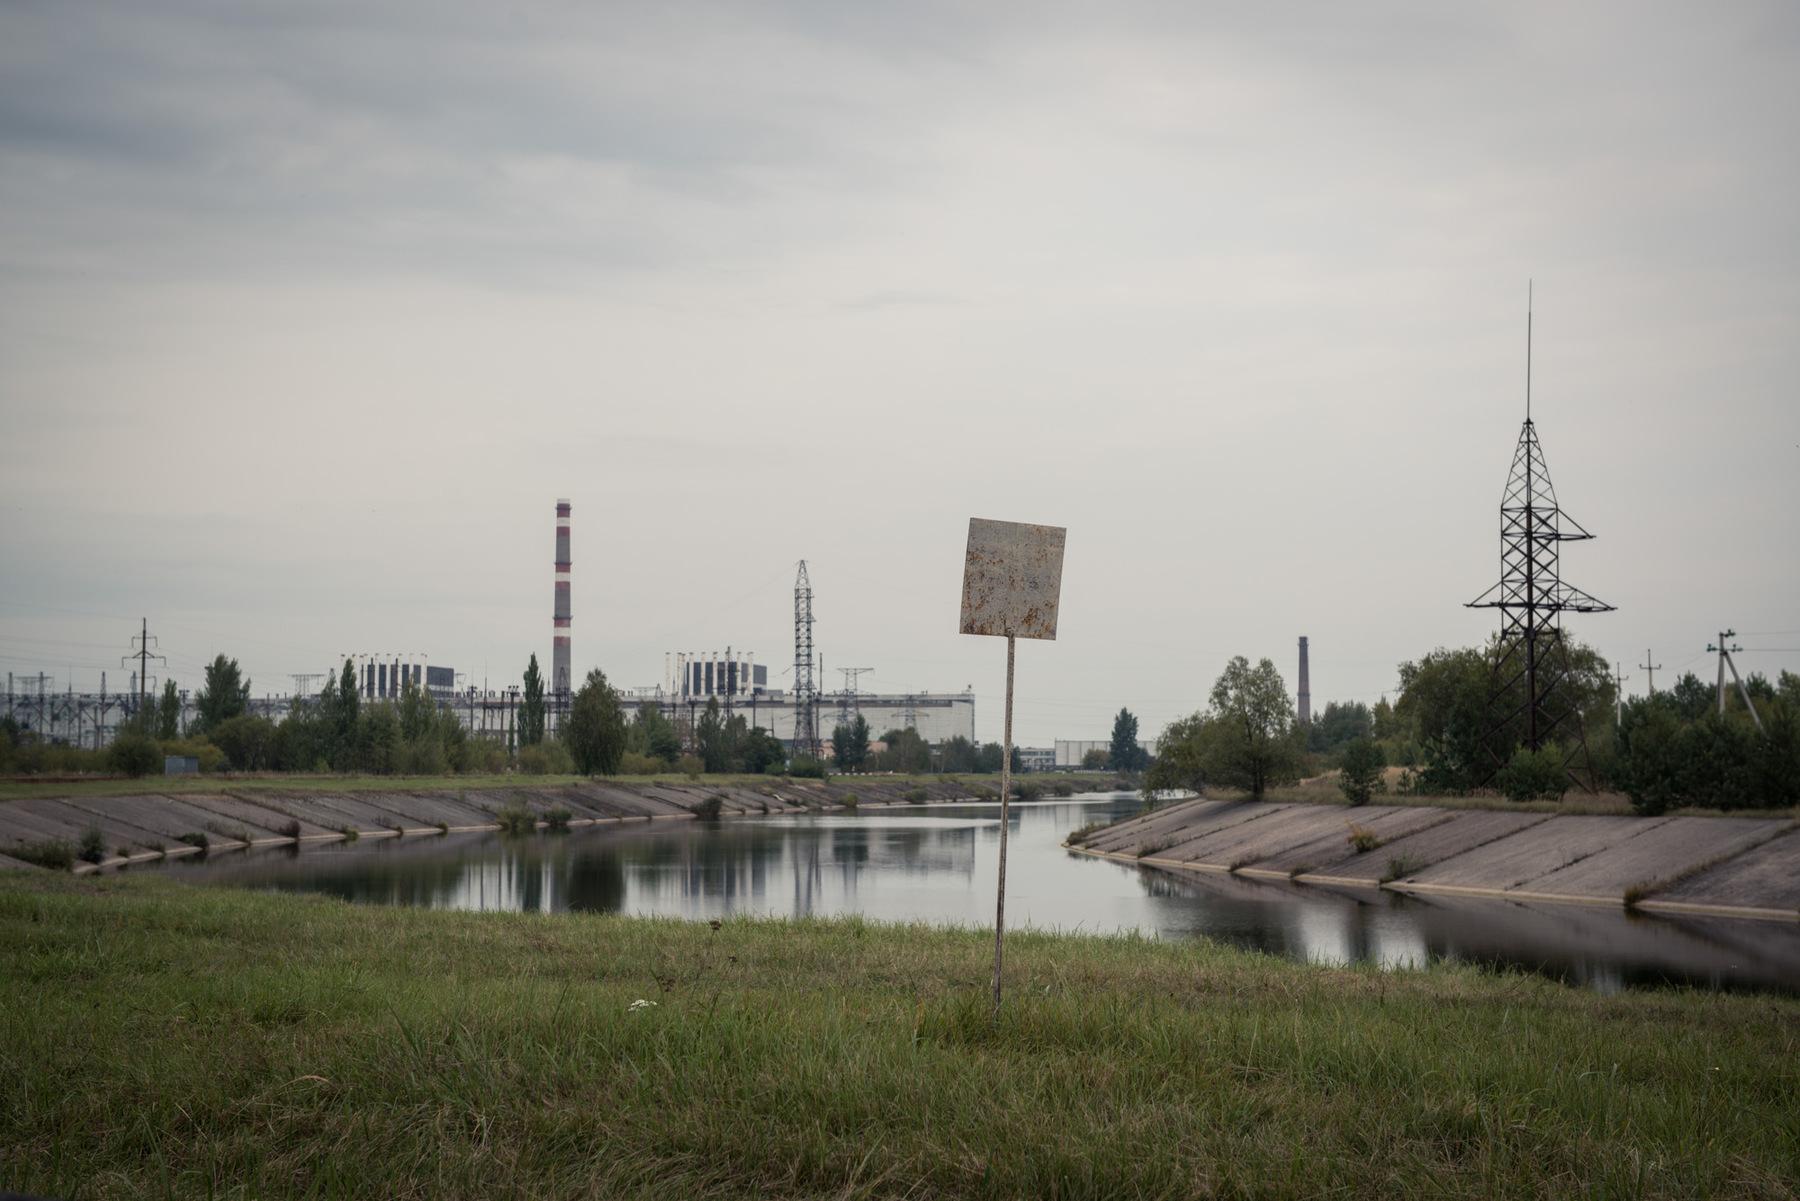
[[1531, 658], [806, 693]]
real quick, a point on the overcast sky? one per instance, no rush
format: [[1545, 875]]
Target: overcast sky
[[309, 313]]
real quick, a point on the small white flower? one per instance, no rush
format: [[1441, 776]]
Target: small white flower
[[638, 1004]]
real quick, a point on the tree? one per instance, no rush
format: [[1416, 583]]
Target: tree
[[762, 752], [906, 752], [168, 713], [1096, 760], [1181, 755], [349, 701], [133, 754], [1338, 725], [596, 732], [225, 694], [1360, 774], [850, 744], [531, 710], [249, 742], [959, 754], [1126, 754], [654, 734], [716, 739], [1255, 745]]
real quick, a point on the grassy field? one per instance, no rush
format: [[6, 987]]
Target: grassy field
[[160, 1039]]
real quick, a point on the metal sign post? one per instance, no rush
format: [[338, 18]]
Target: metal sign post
[[1012, 584]]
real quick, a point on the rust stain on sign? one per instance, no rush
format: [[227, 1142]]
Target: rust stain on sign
[[1012, 578]]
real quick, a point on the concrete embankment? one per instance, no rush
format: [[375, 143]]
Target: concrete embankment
[[146, 826], [1748, 867]]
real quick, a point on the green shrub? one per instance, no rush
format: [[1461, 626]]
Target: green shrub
[[1027, 790], [848, 800], [516, 819], [631, 763], [558, 819], [350, 833], [1360, 768], [290, 829], [690, 766], [711, 807], [134, 754], [547, 758], [92, 847], [807, 768], [1077, 837], [196, 838], [52, 853], [916, 796], [476, 755], [1401, 865], [1062, 788], [1534, 775]]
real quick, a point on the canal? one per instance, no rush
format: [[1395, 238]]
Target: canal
[[937, 864]]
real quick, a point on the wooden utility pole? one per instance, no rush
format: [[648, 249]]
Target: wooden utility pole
[[1651, 669]]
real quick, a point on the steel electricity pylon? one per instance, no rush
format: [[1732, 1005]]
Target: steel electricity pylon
[[806, 693], [1531, 657]]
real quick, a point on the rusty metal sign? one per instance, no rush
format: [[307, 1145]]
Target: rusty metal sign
[[1012, 578]]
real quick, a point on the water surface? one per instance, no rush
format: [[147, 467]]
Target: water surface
[[937, 864]]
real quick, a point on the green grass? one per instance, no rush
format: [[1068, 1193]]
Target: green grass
[[162, 1039]]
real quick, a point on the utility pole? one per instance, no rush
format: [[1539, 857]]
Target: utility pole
[[1725, 660], [1619, 678], [143, 656], [1651, 669]]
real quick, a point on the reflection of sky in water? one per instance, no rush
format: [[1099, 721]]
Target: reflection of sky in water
[[937, 864]]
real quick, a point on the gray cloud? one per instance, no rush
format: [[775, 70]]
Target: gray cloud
[[307, 312]]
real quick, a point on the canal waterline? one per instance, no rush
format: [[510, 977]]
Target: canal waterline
[[937, 864]]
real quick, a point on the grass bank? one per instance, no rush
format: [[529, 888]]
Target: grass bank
[[157, 1038]]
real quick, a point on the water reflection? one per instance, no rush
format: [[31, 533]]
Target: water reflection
[[936, 864]]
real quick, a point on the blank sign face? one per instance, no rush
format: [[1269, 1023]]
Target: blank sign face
[[1012, 578]]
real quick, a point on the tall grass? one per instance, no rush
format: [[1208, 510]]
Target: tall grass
[[160, 1039]]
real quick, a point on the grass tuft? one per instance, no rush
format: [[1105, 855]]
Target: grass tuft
[[1401, 866], [1363, 839]]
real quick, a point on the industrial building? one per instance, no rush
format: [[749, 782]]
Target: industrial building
[[1069, 752], [703, 675]]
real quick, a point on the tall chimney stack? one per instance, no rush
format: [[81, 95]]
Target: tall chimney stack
[[559, 642], [1305, 686]]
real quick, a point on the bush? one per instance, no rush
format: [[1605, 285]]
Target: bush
[[1027, 790], [1363, 839], [516, 819], [690, 766], [558, 819], [917, 796], [848, 800], [631, 763], [92, 847], [478, 755], [196, 838], [52, 853], [547, 758], [806, 767], [134, 754], [1062, 788], [248, 742], [1534, 775], [711, 807], [1359, 774], [290, 829]]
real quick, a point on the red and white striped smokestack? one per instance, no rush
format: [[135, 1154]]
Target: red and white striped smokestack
[[559, 642]]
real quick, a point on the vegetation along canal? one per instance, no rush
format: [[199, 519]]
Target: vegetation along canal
[[936, 864]]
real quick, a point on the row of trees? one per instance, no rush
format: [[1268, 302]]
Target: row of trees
[[1675, 748]]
